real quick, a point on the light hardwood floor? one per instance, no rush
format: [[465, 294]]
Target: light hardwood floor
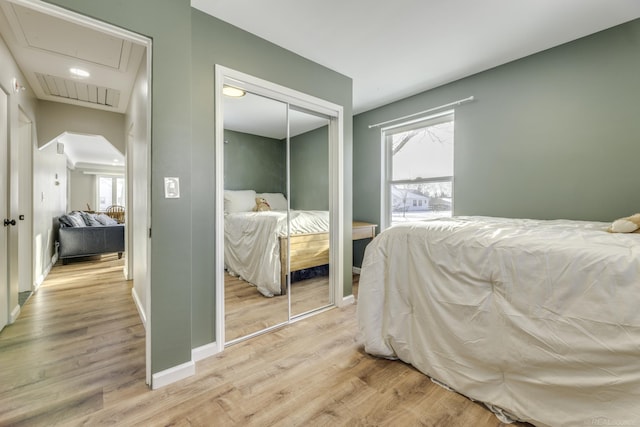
[[75, 356], [248, 311]]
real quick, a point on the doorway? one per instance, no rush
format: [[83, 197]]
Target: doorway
[[138, 115]]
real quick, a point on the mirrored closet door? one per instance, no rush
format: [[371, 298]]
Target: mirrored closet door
[[276, 211], [309, 190]]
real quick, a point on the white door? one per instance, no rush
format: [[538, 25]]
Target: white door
[[4, 210], [25, 204]]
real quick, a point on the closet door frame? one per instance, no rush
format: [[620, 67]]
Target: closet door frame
[[336, 177]]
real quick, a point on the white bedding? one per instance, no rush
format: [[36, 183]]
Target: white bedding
[[252, 248], [539, 318]]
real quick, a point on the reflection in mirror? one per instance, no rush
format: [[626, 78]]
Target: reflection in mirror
[[254, 171], [309, 216]]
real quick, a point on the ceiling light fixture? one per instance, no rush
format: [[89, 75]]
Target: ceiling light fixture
[[79, 72], [233, 92]]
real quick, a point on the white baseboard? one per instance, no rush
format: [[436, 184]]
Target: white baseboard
[[45, 273], [356, 270], [349, 299], [14, 314], [173, 374], [136, 300], [204, 351]]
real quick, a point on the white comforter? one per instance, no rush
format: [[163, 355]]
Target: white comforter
[[252, 248], [540, 318]]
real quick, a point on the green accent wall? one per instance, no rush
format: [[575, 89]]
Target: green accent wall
[[253, 162], [217, 42], [310, 170], [553, 135], [186, 46]]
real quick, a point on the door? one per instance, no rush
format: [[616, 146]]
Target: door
[[4, 210], [25, 203], [276, 181]]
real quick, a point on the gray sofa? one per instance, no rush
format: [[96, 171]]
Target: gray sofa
[[81, 240]]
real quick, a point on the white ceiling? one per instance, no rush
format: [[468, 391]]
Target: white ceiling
[[394, 49], [91, 151], [257, 115], [46, 48]]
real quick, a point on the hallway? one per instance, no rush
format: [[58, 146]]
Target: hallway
[[76, 341]]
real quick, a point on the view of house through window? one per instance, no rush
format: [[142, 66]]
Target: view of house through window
[[420, 170], [110, 192]]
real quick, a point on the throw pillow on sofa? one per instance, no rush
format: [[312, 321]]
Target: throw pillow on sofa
[[90, 219], [76, 220], [105, 219]]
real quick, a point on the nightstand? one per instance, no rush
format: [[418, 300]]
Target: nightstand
[[363, 230]]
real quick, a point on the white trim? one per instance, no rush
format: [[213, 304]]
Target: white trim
[[356, 270], [349, 299], [14, 314], [204, 351], [139, 307], [173, 374], [82, 20], [336, 178], [40, 280], [219, 207]]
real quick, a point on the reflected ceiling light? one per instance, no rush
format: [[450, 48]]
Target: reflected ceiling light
[[79, 72], [233, 92]]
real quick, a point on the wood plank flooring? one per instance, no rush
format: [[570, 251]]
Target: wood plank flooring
[[248, 311], [75, 357]]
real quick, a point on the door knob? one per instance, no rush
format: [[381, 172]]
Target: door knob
[[8, 222]]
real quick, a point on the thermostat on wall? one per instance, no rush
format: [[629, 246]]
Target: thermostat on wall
[[171, 188]]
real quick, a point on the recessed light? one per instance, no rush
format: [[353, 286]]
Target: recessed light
[[233, 92], [79, 72]]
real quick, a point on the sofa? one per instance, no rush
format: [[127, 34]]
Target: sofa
[[83, 234]]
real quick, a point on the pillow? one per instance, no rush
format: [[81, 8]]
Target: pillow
[[76, 219], [239, 200], [65, 220], [105, 219], [630, 224], [90, 219], [277, 201]]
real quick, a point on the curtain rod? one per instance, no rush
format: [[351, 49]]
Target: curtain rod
[[458, 102]]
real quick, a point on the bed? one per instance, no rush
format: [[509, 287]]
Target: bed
[[539, 320], [255, 243]]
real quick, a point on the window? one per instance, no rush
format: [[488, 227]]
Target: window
[[110, 192], [419, 170]]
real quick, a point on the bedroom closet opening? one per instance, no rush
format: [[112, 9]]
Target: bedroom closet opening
[[277, 254]]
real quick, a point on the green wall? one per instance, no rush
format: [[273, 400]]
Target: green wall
[[186, 46], [310, 170], [167, 22], [253, 162], [553, 135], [216, 42]]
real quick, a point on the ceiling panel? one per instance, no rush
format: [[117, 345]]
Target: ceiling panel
[[50, 34]]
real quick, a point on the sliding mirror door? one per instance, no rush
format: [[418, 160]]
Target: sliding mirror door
[[309, 216], [255, 174], [279, 204]]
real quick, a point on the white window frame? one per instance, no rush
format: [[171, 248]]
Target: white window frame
[[114, 189], [387, 161]]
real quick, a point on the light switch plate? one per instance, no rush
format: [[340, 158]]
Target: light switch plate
[[171, 188]]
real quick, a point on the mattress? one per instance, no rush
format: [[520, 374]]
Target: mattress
[[252, 247], [538, 318]]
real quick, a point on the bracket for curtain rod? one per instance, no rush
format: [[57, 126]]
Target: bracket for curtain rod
[[440, 107]]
